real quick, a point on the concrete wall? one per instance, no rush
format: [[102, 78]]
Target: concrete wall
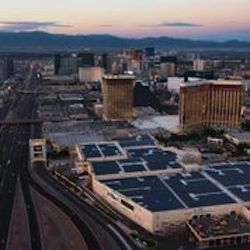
[[92, 74], [139, 214], [246, 213]]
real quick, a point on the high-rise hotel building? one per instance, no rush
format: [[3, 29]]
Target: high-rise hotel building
[[211, 103], [118, 97]]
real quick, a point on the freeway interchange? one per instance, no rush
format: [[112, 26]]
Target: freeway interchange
[[37, 212]]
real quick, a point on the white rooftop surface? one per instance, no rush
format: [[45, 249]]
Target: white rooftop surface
[[71, 133], [212, 82], [242, 136], [174, 83], [168, 122], [71, 96], [70, 139], [119, 77], [59, 78]]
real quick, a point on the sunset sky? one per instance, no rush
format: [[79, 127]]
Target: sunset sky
[[200, 19]]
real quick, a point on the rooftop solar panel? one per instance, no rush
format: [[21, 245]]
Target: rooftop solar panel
[[185, 190], [134, 168], [153, 152], [116, 167], [104, 168], [109, 150], [171, 192], [101, 150], [175, 165], [131, 161], [134, 141], [141, 152], [191, 175], [197, 192], [148, 191], [156, 158], [90, 151], [235, 177], [233, 174], [243, 192]]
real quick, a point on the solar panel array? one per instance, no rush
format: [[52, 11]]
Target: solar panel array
[[100, 150], [234, 176], [163, 193], [119, 166], [197, 191], [156, 158], [142, 155], [136, 141], [217, 184], [149, 192]]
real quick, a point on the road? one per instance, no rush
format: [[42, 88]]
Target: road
[[93, 229]]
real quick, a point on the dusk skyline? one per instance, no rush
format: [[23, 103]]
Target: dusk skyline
[[189, 19]]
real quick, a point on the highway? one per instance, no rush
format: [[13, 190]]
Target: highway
[[14, 162], [84, 211], [97, 231]]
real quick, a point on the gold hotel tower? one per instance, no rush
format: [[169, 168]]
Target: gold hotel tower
[[211, 103], [118, 95]]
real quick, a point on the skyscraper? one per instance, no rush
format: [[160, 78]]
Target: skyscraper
[[168, 66], [9, 67], [57, 63], [211, 103], [86, 59], [65, 64], [150, 52], [118, 95]]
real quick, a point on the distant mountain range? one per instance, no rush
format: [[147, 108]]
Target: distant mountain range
[[42, 41]]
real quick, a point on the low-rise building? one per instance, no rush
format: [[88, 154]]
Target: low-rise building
[[238, 137]]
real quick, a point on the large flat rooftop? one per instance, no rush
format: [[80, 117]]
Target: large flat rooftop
[[156, 158], [212, 82], [118, 77], [136, 141], [233, 176], [165, 193], [101, 150], [141, 155], [155, 178]]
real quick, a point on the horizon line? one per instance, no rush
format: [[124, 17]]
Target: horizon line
[[221, 40]]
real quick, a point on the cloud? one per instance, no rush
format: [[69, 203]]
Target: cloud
[[179, 24], [172, 24], [29, 25]]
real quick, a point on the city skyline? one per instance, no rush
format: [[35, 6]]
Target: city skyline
[[227, 20]]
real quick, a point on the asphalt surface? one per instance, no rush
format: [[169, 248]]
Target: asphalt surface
[[14, 153]]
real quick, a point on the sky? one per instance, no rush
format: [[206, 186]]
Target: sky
[[197, 19]]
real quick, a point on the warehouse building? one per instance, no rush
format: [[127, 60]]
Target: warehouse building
[[151, 186]]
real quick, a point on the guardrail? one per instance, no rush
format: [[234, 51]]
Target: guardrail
[[85, 192]]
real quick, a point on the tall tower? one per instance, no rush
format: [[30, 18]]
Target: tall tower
[[211, 103], [118, 94]]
